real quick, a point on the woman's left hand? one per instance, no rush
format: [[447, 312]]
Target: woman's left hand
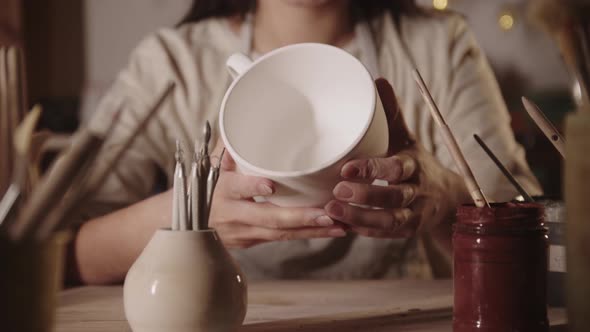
[[420, 192]]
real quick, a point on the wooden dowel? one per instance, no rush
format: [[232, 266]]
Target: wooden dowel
[[474, 190], [545, 125]]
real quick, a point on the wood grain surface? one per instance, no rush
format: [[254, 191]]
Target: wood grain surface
[[344, 306]]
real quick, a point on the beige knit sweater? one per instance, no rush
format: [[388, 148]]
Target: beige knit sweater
[[193, 56]]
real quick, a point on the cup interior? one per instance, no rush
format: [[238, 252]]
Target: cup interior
[[298, 109]]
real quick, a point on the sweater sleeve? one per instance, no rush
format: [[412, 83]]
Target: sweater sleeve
[[159, 59]]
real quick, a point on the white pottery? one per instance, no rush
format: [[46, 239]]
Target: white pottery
[[297, 114], [185, 281]]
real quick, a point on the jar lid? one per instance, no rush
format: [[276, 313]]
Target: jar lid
[[502, 216]]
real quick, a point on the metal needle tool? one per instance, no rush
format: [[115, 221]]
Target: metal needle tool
[[203, 174], [504, 170], [179, 211], [211, 184], [194, 189]]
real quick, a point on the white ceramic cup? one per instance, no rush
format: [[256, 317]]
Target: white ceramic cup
[[296, 115]]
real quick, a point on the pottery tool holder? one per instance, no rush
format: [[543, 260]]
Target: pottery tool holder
[[193, 194]]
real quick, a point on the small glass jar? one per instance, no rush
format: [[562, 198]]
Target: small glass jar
[[500, 268]]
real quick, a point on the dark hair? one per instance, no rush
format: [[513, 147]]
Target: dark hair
[[203, 9]]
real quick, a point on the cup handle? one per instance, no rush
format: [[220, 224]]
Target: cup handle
[[237, 64]]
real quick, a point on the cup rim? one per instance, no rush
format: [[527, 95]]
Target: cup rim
[[327, 164]]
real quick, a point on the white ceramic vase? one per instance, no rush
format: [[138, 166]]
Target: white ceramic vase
[[185, 281]]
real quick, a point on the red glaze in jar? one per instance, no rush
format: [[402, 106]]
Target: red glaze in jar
[[500, 268]]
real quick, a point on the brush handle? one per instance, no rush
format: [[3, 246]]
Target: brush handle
[[474, 190], [504, 170]]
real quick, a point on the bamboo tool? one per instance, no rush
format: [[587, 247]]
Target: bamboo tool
[[203, 174], [22, 142], [64, 215], [504, 170], [545, 125], [179, 205], [476, 193], [566, 22]]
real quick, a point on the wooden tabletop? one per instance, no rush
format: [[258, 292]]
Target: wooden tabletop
[[346, 306]]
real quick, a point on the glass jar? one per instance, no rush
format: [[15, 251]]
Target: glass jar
[[500, 268]]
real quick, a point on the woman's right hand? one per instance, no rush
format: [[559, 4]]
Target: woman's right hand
[[241, 222]]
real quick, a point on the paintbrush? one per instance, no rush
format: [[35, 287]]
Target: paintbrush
[[565, 21], [65, 215], [474, 190], [545, 125], [504, 170]]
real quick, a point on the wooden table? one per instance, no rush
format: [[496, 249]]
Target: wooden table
[[344, 306]]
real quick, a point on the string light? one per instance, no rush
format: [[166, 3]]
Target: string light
[[506, 21], [440, 4]]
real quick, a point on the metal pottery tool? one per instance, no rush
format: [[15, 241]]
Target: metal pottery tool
[[476, 193], [179, 206], [193, 194], [204, 167], [504, 170], [211, 183]]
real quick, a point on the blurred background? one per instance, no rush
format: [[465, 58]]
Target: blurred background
[[76, 47]]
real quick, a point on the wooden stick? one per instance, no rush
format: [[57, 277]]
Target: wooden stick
[[476, 193], [22, 142], [64, 216], [504, 170], [545, 125], [54, 185], [5, 146], [46, 226]]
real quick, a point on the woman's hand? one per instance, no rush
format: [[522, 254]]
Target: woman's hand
[[242, 223], [420, 192]]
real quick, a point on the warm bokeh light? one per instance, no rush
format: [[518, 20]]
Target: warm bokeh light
[[506, 21], [440, 4]]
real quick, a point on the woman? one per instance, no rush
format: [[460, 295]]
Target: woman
[[390, 38]]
